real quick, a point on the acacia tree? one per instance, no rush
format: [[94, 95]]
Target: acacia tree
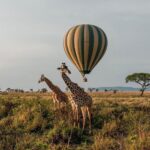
[[143, 79]]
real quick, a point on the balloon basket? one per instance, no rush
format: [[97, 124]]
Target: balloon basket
[[85, 79]]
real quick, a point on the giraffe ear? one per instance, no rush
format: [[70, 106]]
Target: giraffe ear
[[58, 68]]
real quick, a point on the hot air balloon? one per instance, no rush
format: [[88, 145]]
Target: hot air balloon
[[85, 45]]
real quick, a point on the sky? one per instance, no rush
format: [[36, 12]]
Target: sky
[[32, 32]]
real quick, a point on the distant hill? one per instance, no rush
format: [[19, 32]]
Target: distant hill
[[119, 88]]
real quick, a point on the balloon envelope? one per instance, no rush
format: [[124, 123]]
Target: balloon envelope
[[85, 45]]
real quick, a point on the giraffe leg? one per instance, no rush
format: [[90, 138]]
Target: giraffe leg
[[83, 110], [73, 106], [57, 102], [64, 106], [54, 100], [58, 105], [90, 117], [55, 105], [74, 115], [77, 115]]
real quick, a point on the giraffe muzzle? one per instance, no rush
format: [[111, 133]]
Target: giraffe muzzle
[[58, 68]]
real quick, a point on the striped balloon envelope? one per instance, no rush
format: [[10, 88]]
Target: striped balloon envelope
[[85, 45]]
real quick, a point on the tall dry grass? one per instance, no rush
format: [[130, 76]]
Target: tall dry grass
[[121, 121]]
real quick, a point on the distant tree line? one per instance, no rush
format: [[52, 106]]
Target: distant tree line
[[10, 90], [143, 79], [105, 90]]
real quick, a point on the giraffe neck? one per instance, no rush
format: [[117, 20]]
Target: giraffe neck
[[74, 88], [50, 84], [68, 81]]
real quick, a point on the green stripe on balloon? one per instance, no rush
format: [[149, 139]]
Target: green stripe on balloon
[[66, 45], [99, 45], [103, 52], [91, 43], [72, 45], [82, 45]]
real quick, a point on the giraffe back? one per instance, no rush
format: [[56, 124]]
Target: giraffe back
[[60, 94]]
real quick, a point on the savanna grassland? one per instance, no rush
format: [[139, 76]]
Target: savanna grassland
[[29, 121]]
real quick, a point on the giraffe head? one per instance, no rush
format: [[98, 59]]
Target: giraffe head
[[42, 78], [64, 69]]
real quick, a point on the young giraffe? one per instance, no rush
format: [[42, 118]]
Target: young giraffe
[[58, 96], [79, 99]]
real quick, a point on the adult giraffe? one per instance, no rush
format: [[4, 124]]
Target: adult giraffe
[[58, 96], [79, 98]]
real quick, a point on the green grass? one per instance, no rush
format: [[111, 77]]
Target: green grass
[[30, 122]]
